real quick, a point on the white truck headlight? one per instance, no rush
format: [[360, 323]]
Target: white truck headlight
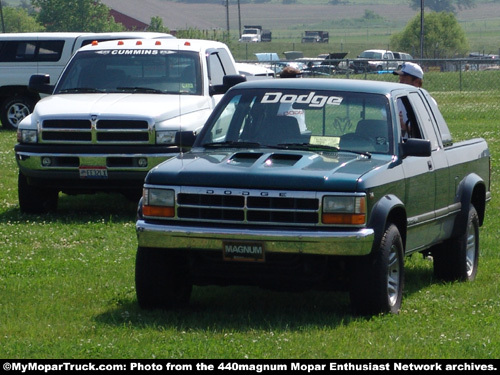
[[27, 136], [158, 202], [165, 137], [344, 210]]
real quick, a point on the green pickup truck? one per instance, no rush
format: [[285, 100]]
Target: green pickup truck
[[312, 184]]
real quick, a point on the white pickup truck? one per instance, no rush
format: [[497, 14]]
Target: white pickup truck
[[119, 109]]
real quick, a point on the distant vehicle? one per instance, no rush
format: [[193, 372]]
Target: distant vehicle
[[374, 60], [402, 57], [315, 37], [255, 34], [254, 71]]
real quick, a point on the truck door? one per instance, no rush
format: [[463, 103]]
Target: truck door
[[444, 191], [420, 178]]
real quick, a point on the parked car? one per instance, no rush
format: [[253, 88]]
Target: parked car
[[374, 60], [254, 71], [402, 57]]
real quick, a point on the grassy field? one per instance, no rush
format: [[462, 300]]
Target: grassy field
[[67, 287]]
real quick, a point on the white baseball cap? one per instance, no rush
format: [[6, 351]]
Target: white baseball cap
[[411, 69]]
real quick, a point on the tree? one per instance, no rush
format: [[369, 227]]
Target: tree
[[75, 15], [17, 20], [156, 25], [443, 36], [444, 5]]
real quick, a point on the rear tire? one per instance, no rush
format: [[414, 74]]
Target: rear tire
[[457, 259], [377, 280], [35, 199], [161, 279]]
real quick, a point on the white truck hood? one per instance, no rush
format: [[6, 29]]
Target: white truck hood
[[156, 107]]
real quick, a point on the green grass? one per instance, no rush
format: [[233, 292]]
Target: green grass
[[67, 287]]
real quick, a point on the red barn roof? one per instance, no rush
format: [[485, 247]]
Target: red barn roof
[[130, 23]]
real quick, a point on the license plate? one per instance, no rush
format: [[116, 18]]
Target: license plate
[[93, 172], [243, 251]]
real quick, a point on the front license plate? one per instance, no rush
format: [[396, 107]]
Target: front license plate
[[93, 172], [243, 251]]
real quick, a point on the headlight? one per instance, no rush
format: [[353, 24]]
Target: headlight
[[27, 136], [158, 203], [166, 137], [344, 210]]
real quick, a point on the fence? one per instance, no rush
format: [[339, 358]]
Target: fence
[[444, 79]]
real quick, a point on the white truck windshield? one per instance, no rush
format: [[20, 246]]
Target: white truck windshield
[[139, 71]]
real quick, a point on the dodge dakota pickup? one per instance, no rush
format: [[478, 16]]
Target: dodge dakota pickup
[[312, 183]]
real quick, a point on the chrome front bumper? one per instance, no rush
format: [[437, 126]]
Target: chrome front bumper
[[32, 163], [344, 243]]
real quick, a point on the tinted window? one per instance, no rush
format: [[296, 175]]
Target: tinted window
[[50, 50], [19, 51]]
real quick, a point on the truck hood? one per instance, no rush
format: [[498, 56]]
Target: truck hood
[[266, 169], [158, 107]]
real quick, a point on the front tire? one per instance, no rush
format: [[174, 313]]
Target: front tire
[[457, 259], [161, 279], [35, 199], [377, 284]]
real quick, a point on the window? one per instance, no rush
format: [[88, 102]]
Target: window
[[424, 118], [50, 50], [24, 51], [165, 71], [347, 120]]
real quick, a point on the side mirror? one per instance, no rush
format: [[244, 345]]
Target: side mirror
[[227, 82], [40, 83], [185, 139], [416, 147]]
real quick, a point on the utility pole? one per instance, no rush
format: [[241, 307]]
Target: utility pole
[[421, 29], [1, 15], [239, 18], [227, 18]]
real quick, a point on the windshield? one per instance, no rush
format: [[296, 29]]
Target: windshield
[[152, 71], [328, 120], [371, 55]]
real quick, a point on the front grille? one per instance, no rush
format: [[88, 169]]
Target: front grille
[[98, 132], [248, 208]]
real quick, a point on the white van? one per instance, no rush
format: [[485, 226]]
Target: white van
[[25, 54]]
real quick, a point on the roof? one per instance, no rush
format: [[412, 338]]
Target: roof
[[376, 87], [158, 43], [74, 35]]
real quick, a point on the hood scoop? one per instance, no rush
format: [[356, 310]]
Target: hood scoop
[[271, 160], [282, 160], [244, 158]]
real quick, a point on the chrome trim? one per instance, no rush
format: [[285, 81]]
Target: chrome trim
[[90, 128], [33, 161], [357, 242]]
